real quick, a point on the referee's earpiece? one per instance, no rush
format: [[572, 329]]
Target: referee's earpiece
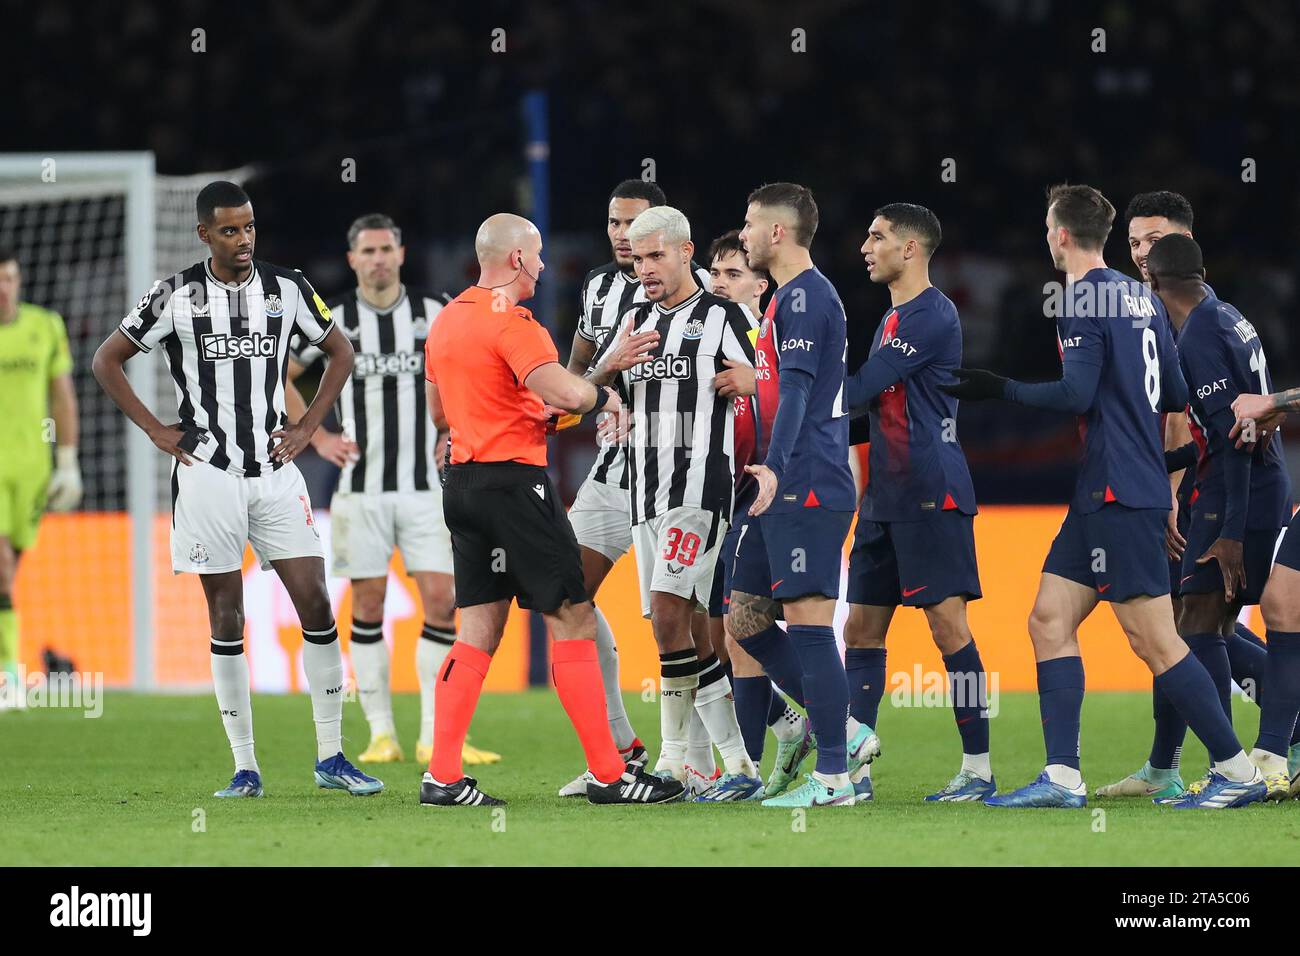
[[522, 267]]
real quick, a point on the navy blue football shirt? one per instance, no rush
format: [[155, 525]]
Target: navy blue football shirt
[[813, 336], [1120, 373], [916, 464], [1222, 357]]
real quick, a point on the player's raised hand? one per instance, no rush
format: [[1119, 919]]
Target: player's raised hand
[[1228, 553], [614, 423], [767, 485], [168, 439], [335, 447], [738, 379], [1256, 419], [629, 349], [293, 439], [976, 385]]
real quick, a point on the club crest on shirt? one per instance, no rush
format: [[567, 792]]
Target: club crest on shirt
[[694, 329], [764, 327], [274, 307], [420, 328]]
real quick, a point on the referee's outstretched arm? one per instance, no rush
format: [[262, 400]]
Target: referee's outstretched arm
[[557, 386]]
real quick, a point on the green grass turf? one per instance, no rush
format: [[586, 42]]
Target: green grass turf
[[130, 787]]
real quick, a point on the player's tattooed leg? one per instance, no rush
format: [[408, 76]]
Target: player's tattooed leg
[[750, 614]]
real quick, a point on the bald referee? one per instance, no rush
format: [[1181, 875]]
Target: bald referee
[[490, 366]]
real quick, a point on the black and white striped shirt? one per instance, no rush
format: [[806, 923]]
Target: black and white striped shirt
[[383, 407], [681, 451], [607, 295], [227, 347]]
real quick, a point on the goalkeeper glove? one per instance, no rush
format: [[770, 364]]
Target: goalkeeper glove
[[64, 492]]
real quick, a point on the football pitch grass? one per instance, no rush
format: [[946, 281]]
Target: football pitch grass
[[134, 787]]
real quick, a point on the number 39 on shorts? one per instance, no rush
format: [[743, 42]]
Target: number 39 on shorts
[[681, 548]]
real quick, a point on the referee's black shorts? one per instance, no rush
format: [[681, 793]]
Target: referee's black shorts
[[510, 537]]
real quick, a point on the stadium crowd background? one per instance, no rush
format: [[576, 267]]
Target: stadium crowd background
[[714, 95]]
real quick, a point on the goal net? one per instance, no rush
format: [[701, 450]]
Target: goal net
[[92, 231]]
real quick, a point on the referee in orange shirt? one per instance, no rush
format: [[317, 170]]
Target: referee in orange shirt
[[490, 366]]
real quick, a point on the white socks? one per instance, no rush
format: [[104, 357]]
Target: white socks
[[678, 680], [323, 662], [230, 681], [370, 667], [699, 745], [1239, 769], [789, 726], [430, 651], [836, 780], [1064, 776], [978, 764], [607, 654], [717, 711]]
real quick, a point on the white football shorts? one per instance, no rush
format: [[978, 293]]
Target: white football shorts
[[365, 528], [677, 553], [215, 514], [602, 518]]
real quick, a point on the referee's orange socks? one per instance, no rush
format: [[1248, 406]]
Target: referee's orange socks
[[576, 672], [460, 681]]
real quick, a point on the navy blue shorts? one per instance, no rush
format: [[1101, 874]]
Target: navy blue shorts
[[914, 563], [792, 555], [1288, 555], [1176, 564], [1256, 552], [1117, 550], [721, 595]]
